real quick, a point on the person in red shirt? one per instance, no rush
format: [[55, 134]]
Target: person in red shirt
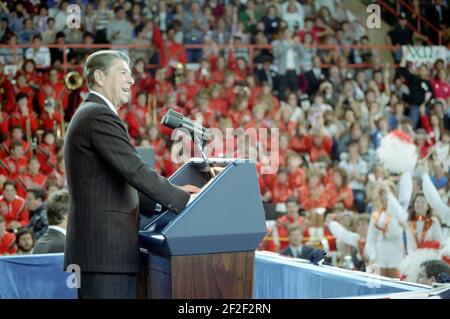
[[296, 173], [218, 70], [162, 86], [23, 116], [46, 153], [155, 140], [202, 113], [53, 88], [189, 85], [313, 195], [16, 163], [238, 66], [285, 122], [441, 88], [423, 142], [143, 81], [13, 208], [6, 92], [291, 218], [318, 144], [228, 87], [217, 103], [33, 77], [50, 118], [22, 86], [265, 96], [239, 112], [173, 53], [136, 116], [338, 190], [203, 73], [58, 175], [31, 178], [258, 119], [7, 239], [5, 120], [16, 135], [281, 191]]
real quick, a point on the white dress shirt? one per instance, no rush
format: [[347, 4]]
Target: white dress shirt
[[111, 106]]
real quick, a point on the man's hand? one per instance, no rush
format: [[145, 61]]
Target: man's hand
[[191, 189]]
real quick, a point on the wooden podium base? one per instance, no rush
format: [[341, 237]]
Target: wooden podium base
[[208, 276]]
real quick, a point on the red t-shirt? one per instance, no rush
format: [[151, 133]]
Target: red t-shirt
[[7, 244]]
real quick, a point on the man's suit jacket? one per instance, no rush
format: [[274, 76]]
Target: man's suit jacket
[[107, 181], [52, 242], [309, 83], [435, 18], [306, 251]]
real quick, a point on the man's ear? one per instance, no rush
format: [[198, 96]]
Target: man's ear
[[99, 77]]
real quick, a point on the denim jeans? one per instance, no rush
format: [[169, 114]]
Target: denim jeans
[[359, 198], [414, 114]]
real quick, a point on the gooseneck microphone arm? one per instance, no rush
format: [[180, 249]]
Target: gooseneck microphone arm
[[199, 144], [174, 120]]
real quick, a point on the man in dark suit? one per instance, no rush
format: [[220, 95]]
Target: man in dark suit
[[36, 206], [108, 182], [310, 80], [295, 248], [54, 239]]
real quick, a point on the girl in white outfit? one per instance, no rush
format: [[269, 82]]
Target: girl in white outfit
[[423, 229], [384, 244]]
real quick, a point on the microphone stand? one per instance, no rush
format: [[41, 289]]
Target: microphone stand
[[199, 144]]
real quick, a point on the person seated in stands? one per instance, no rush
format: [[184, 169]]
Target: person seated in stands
[[12, 207], [24, 116], [54, 239], [31, 178], [313, 194], [136, 116], [16, 163], [46, 153], [430, 270], [357, 170], [280, 191], [15, 135], [292, 217], [338, 190], [7, 239], [50, 118], [318, 144], [296, 173], [35, 201], [296, 249], [25, 241]]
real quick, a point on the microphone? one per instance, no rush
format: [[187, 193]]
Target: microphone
[[175, 120]]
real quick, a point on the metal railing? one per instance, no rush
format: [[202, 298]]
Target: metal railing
[[420, 19], [251, 51]]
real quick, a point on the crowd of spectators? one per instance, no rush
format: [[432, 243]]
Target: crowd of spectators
[[331, 116]]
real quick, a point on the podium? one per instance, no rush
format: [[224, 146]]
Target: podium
[[207, 250]]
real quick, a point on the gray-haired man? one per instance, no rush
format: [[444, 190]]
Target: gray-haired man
[[107, 182]]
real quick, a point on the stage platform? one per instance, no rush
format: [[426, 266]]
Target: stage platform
[[276, 277]]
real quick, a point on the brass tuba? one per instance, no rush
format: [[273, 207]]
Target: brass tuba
[[73, 80]]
